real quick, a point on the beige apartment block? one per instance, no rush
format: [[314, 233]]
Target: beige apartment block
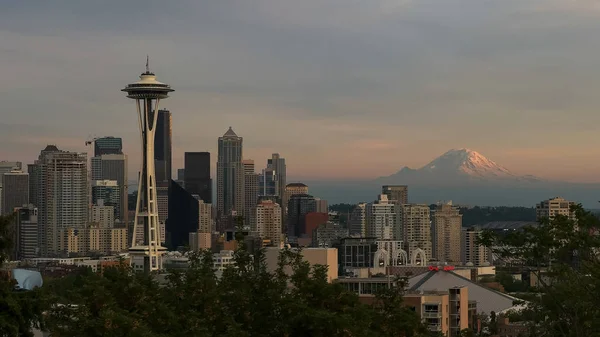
[[471, 251], [447, 225], [268, 222], [314, 256], [552, 207], [416, 229]]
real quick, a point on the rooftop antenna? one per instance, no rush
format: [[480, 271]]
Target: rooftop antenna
[[147, 66]]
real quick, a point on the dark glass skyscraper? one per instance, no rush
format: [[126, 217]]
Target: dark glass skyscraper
[[183, 216], [230, 174], [298, 206], [196, 176], [108, 145], [162, 148]]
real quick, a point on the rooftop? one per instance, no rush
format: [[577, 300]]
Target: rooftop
[[230, 133], [296, 185], [507, 225]]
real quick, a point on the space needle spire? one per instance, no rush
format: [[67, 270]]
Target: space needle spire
[[146, 251]]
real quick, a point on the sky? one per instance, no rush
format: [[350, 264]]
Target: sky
[[343, 89]]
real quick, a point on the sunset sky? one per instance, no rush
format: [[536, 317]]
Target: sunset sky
[[340, 88]]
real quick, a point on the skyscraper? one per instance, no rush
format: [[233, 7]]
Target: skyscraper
[[26, 244], [163, 148], [5, 167], [447, 225], [113, 167], [416, 229], [357, 223], [184, 216], [382, 220], [278, 164], [268, 184], [60, 181], [268, 222], [397, 194], [292, 189], [107, 192], [108, 145], [299, 206], [15, 190], [250, 193], [230, 174], [196, 175]]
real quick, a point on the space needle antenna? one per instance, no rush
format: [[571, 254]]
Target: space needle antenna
[[147, 64]]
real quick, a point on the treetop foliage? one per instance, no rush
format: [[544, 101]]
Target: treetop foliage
[[245, 300], [562, 255]]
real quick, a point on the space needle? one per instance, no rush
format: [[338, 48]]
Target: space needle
[[146, 254]]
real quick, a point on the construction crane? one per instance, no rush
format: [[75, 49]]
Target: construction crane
[[91, 140]]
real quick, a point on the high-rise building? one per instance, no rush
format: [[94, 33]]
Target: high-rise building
[[273, 177], [162, 199], [447, 225], [292, 189], [382, 220], [357, 223], [472, 251], [268, 222], [106, 240], [15, 190], [230, 174], [553, 207], [397, 194], [202, 237], [180, 177], [250, 193], [328, 234], [299, 206], [60, 181], [6, 167], [187, 214], [268, 184], [26, 244], [312, 221], [146, 256], [280, 168], [196, 175], [322, 205], [416, 229], [108, 193], [113, 167], [103, 215], [163, 148], [108, 145]]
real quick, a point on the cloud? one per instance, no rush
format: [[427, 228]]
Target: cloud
[[395, 82]]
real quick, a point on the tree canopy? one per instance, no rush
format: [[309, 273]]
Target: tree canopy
[[246, 300], [562, 255], [19, 311]]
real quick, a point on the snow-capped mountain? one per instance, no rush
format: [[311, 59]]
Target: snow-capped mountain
[[461, 164], [466, 161]]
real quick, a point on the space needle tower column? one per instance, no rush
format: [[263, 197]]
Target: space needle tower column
[[147, 252]]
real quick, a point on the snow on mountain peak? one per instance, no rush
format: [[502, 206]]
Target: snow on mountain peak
[[469, 162]]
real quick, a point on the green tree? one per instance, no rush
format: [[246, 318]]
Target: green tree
[[562, 253], [20, 311], [246, 300]]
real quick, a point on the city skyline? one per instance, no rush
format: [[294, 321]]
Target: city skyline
[[405, 82]]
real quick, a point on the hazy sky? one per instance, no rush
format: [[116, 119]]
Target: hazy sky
[[340, 88]]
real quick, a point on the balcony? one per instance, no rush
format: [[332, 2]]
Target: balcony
[[434, 327], [432, 314]]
